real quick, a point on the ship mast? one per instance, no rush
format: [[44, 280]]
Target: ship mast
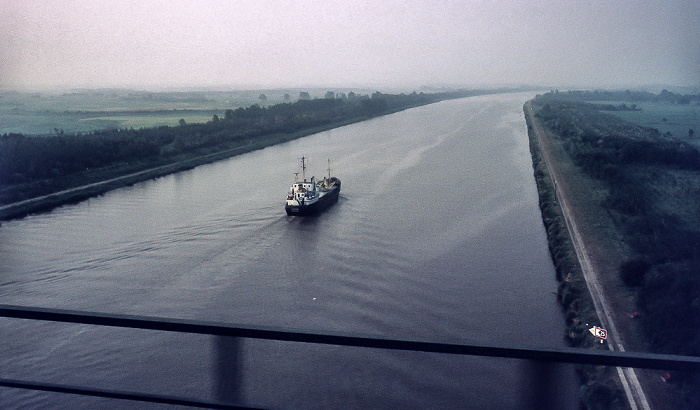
[[329, 168], [303, 169]]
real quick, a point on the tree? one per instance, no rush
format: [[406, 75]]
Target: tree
[[374, 106], [304, 96], [215, 118], [691, 133], [287, 97], [633, 270], [262, 97], [182, 122], [330, 95]]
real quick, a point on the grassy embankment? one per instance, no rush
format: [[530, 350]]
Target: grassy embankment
[[651, 190], [41, 172]]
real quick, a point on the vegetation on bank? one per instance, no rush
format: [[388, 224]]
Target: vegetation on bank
[[32, 166], [620, 96], [88, 110], [674, 115], [653, 192], [600, 388]]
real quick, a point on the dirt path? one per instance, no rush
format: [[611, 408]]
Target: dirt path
[[600, 249]]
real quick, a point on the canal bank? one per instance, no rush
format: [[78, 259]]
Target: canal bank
[[587, 249]]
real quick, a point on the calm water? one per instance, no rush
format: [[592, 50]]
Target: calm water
[[437, 235]]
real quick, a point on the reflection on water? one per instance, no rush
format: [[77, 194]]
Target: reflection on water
[[544, 385], [437, 235], [229, 369]]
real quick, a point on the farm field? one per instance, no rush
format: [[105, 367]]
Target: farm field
[[145, 119], [665, 117], [43, 123], [47, 113]]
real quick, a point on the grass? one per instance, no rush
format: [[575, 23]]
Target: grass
[[40, 123], [146, 120], [89, 110], [674, 118]]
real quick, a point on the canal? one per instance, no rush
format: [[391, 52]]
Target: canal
[[437, 235]]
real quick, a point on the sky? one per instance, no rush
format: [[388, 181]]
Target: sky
[[153, 44]]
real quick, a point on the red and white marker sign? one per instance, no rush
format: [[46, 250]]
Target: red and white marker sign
[[599, 332]]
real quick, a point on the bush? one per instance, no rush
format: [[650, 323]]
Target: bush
[[600, 396], [670, 307], [632, 271]]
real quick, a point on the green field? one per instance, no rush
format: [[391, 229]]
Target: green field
[[665, 117], [73, 122], [146, 120]]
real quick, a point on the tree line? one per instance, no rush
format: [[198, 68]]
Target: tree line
[[627, 96]]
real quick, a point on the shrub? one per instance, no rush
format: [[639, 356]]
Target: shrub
[[632, 271], [601, 396], [670, 305]]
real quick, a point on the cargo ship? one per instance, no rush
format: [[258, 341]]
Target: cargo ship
[[311, 197]]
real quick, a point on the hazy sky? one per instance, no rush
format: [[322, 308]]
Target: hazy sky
[[329, 43]]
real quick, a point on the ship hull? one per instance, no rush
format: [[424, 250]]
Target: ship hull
[[317, 207]]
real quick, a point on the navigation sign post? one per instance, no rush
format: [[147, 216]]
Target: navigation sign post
[[599, 332]]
